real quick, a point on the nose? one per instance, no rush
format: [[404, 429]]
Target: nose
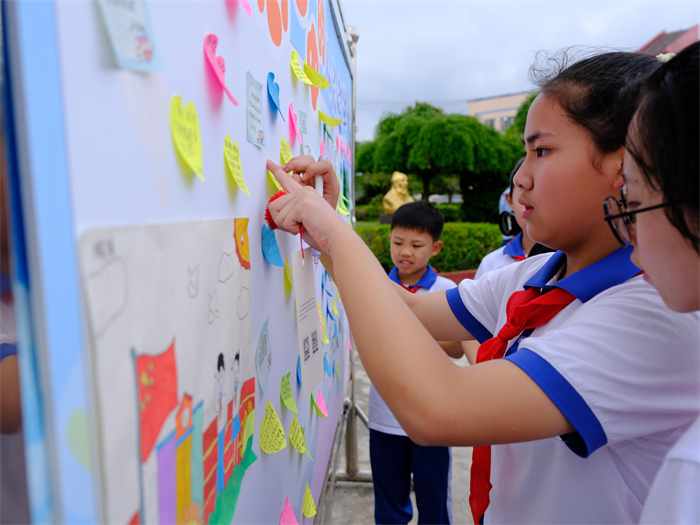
[[523, 178]]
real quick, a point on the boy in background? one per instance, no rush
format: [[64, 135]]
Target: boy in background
[[415, 238]]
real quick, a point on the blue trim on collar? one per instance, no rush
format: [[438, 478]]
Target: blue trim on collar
[[427, 281], [464, 316], [589, 435], [515, 247], [5, 283], [7, 349], [585, 284]]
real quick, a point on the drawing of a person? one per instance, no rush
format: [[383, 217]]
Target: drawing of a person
[[221, 414]]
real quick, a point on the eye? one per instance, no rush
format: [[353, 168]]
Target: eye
[[541, 152]]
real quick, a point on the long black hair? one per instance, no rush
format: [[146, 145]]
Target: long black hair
[[664, 137]]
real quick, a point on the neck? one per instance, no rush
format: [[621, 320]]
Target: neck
[[410, 280], [527, 243], [585, 254]]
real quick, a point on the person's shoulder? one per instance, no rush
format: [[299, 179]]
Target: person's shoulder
[[442, 283], [687, 448]]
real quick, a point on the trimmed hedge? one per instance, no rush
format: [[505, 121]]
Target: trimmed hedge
[[464, 244]]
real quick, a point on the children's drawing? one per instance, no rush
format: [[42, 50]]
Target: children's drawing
[[176, 395]]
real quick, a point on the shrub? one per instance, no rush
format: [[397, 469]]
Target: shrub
[[452, 212], [464, 245]]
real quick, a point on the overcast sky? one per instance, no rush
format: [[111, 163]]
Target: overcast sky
[[446, 53]]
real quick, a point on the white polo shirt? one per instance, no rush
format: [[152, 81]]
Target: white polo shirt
[[621, 367], [380, 417], [675, 495], [505, 255]]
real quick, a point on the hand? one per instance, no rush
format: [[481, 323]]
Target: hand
[[304, 170], [302, 206]]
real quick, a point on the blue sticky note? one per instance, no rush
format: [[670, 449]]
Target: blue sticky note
[[273, 93], [299, 370], [329, 313], [270, 249], [335, 329], [297, 33], [326, 366], [235, 428]]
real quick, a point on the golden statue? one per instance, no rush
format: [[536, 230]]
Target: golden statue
[[398, 195]]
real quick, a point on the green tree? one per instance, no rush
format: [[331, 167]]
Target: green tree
[[518, 128]]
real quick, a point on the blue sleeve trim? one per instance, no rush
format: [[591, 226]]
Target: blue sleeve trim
[[589, 435], [7, 349], [468, 321]]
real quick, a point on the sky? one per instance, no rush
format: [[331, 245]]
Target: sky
[[446, 53]]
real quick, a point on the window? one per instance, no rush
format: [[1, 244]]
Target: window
[[507, 122], [490, 123]]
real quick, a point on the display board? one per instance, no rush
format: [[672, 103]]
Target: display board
[[171, 384]]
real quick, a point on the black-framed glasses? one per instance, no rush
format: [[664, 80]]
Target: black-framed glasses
[[619, 219]]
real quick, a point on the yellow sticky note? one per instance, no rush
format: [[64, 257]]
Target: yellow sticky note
[[249, 428], [317, 79], [286, 394], [342, 209], [298, 70], [184, 126], [322, 323], [285, 151], [309, 507], [296, 437], [330, 121], [335, 308], [232, 155], [288, 274], [337, 370], [274, 180], [272, 436]]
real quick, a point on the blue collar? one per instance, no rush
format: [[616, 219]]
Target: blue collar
[[585, 284], [515, 247], [427, 281], [5, 283]]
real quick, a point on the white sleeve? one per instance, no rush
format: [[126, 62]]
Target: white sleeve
[[673, 497]]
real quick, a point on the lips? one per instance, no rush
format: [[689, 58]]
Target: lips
[[405, 264], [528, 209]]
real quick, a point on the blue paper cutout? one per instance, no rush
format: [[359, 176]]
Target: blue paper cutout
[[297, 33], [273, 93], [270, 249], [335, 329], [326, 366], [329, 313], [299, 370]]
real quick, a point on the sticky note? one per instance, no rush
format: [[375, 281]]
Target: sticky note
[[298, 70], [309, 507], [323, 149], [246, 7], [328, 310], [232, 155], [273, 92], [319, 404], [327, 366], [335, 307], [286, 394], [288, 277], [299, 370], [255, 126], [270, 249], [306, 148], [342, 208], [285, 151], [329, 121], [337, 370], [293, 124], [274, 180], [316, 78], [211, 41], [287, 517], [322, 323], [272, 436], [184, 126], [263, 356], [249, 427], [296, 437]]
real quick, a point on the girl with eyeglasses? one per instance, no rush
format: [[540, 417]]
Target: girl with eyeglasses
[[570, 386]]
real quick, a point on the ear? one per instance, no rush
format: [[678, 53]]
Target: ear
[[613, 168], [437, 246], [509, 200]]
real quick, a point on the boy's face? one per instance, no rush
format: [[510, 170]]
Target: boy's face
[[411, 250]]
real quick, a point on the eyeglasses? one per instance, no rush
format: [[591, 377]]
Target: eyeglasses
[[620, 220]]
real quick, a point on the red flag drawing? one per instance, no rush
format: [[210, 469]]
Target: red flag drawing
[[156, 377]]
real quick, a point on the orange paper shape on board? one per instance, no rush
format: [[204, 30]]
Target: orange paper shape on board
[[211, 41], [287, 516], [242, 242], [156, 377]]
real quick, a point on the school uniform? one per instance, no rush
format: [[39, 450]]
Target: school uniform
[[394, 456], [675, 495], [508, 254], [619, 365]]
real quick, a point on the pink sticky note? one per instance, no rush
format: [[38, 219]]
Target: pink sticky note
[[287, 517], [293, 125], [244, 3], [321, 403], [337, 142], [323, 149], [217, 63]]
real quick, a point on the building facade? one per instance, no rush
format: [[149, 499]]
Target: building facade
[[496, 112]]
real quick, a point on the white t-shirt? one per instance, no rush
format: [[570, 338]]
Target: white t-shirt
[[621, 367], [505, 255], [380, 417], [675, 495]]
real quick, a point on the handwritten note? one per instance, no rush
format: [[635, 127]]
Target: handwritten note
[[306, 148], [263, 356], [287, 517], [254, 117], [319, 404], [274, 180], [211, 41], [296, 438], [322, 323], [298, 70], [308, 507], [329, 121], [273, 92], [317, 79], [232, 155], [285, 151], [272, 436], [270, 249], [293, 124], [335, 308], [286, 394], [184, 126]]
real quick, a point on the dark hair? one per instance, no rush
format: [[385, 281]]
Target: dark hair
[[420, 217], [589, 91], [664, 137], [512, 176], [220, 362]]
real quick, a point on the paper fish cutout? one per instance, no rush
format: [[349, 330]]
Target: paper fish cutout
[[286, 395], [317, 79], [232, 155], [273, 91], [184, 126], [329, 121], [217, 63], [298, 70], [272, 436], [309, 507]]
